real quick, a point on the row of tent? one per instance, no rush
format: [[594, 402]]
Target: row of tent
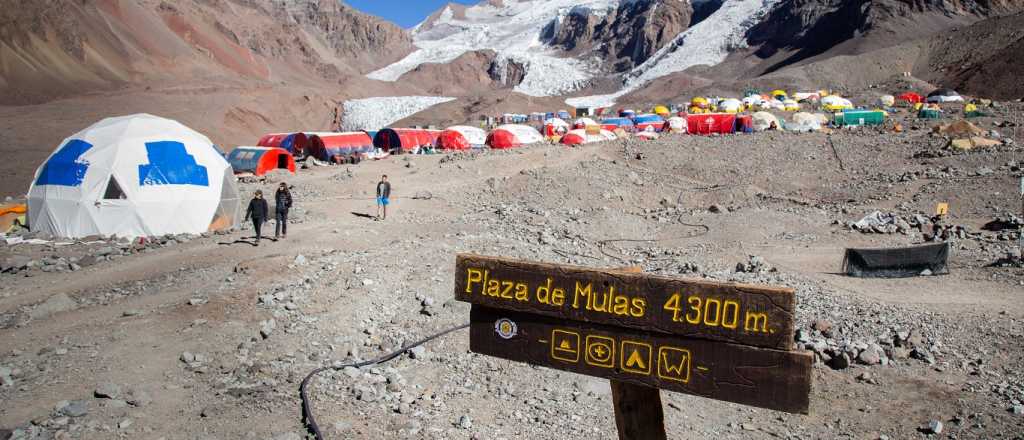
[[275, 151]]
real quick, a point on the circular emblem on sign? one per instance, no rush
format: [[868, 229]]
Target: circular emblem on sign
[[505, 328]]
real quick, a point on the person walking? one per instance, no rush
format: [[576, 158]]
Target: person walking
[[257, 211], [282, 203], [383, 197]]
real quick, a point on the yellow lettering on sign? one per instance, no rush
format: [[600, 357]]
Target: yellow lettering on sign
[[506, 289], [493, 287], [473, 276], [756, 322], [730, 314], [673, 306], [695, 303], [558, 296], [522, 292], [581, 291], [638, 307], [621, 306]]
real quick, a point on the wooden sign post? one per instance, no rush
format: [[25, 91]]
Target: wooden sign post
[[644, 332], [638, 410]]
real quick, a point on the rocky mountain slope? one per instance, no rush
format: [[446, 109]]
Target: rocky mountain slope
[[799, 29], [990, 65], [51, 48], [624, 38]]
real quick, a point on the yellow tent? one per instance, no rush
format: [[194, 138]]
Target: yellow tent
[[699, 105], [780, 95], [661, 110]]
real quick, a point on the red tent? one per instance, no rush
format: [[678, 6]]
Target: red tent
[[398, 140], [709, 123], [580, 136], [295, 143], [512, 136], [260, 160], [339, 147], [910, 98], [461, 137], [272, 140]]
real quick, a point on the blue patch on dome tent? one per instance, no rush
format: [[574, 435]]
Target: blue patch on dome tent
[[66, 167], [170, 164]]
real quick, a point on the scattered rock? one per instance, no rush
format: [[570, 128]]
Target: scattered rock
[[267, 328], [823, 326], [933, 427], [60, 302], [418, 352], [465, 422], [107, 391], [871, 355], [840, 362], [73, 408]]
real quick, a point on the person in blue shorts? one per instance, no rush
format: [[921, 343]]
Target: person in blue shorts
[[383, 196]]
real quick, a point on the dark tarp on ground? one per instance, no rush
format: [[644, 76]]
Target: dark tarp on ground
[[896, 262]]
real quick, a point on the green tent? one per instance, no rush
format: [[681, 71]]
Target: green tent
[[927, 113], [856, 118]]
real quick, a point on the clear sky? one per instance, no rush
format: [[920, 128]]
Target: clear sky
[[407, 13]]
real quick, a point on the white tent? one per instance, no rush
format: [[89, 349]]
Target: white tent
[[752, 100], [730, 106], [583, 123], [131, 176], [513, 135], [462, 136], [556, 127], [806, 122], [806, 96], [677, 124], [835, 103], [580, 136], [763, 121]]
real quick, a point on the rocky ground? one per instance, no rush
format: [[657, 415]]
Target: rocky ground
[[208, 337]]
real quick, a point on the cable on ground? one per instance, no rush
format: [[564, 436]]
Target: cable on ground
[[307, 409]]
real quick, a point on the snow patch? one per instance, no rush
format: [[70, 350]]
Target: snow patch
[[708, 42], [377, 113], [514, 31]]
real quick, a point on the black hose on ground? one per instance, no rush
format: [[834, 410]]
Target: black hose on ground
[[307, 409]]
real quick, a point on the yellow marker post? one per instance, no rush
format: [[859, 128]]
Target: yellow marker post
[[942, 209]]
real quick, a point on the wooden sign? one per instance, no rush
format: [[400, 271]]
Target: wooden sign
[[734, 313], [642, 332], [766, 378]]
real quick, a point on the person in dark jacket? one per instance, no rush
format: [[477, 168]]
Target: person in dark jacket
[[282, 203], [257, 211], [383, 197]]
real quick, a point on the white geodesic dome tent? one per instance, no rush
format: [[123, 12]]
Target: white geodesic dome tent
[[132, 176]]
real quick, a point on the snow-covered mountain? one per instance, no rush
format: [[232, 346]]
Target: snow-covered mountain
[[511, 28], [564, 44]]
